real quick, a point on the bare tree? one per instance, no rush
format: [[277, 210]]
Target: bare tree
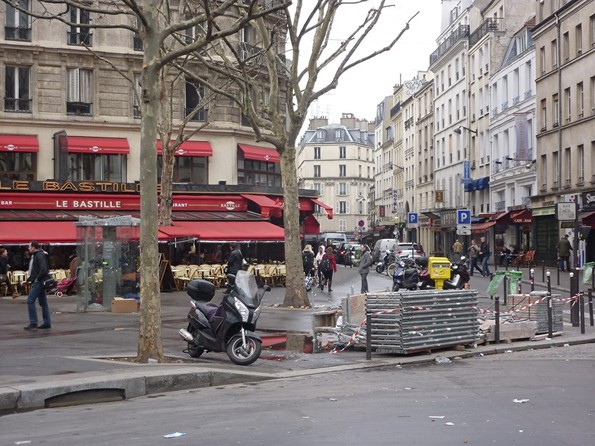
[[159, 22], [275, 93]]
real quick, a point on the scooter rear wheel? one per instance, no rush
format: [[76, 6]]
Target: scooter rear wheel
[[193, 350], [243, 356]]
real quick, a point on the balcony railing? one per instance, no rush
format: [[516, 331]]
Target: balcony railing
[[83, 38], [499, 205], [17, 33], [79, 108], [201, 115], [490, 25], [460, 33], [17, 105], [526, 201]]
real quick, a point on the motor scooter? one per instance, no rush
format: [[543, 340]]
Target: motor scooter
[[405, 275], [385, 261], [226, 327]]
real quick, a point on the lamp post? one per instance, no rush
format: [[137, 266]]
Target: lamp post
[[458, 130]]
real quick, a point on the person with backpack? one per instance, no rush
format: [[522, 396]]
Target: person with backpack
[[308, 259], [39, 270], [327, 267]]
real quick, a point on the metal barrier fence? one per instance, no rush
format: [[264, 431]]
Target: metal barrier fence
[[409, 322]]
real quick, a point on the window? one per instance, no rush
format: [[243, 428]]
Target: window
[[195, 108], [317, 171], [93, 167], [567, 167], [556, 107], [542, 59], [16, 89], [79, 101], [137, 42], [78, 34], [565, 46], [188, 169], [578, 39], [342, 152], [592, 30], [318, 187], [18, 165], [554, 48], [342, 170], [137, 91], [316, 153], [593, 95], [568, 104], [320, 135], [580, 159], [343, 189], [343, 207], [580, 100], [259, 173], [338, 134], [17, 23]]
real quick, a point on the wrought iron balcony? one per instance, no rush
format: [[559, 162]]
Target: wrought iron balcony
[[460, 33], [17, 105], [17, 33], [489, 25]]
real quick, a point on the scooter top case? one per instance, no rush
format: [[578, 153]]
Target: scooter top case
[[201, 290]]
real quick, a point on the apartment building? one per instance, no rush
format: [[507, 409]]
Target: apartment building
[[564, 38], [337, 160], [386, 194]]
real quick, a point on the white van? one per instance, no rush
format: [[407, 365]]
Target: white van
[[336, 238], [383, 245]]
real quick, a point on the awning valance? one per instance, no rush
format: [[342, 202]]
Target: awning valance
[[268, 206], [259, 153], [482, 227], [226, 231], [63, 232], [87, 144], [19, 143], [190, 148], [522, 217]]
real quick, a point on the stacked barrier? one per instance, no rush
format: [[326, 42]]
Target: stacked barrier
[[413, 321]]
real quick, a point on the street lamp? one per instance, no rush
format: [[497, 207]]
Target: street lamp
[[458, 130]]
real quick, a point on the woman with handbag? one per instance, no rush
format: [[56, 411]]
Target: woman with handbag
[[4, 268], [39, 272]]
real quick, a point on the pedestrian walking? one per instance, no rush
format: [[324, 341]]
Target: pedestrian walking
[[328, 266], [317, 260], [564, 247], [308, 259], [484, 256], [473, 253], [235, 262], [39, 271], [4, 278], [364, 267], [457, 251]]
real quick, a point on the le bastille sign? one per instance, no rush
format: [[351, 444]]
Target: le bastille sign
[[69, 186]]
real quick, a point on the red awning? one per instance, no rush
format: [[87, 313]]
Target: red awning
[[311, 225], [109, 146], [22, 232], [268, 206], [522, 217], [19, 143], [190, 148], [259, 153], [588, 218], [482, 227], [326, 207], [226, 231]]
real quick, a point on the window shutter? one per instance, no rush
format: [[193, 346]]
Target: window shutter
[[347, 189], [73, 85], [85, 86], [347, 207]]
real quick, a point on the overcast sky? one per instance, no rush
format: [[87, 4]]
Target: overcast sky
[[364, 87]]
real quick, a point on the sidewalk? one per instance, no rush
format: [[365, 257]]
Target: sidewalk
[[39, 365]]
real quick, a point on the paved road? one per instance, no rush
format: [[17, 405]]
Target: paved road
[[468, 401]]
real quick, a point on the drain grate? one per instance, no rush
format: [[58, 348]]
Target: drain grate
[[90, 396]]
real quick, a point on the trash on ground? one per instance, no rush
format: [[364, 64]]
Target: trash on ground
[[436, 417], [449, 423], [442, 360], [175, 435], [520, 401]]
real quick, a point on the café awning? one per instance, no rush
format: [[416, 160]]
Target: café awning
[[22, 232], [88, 144], [259, 153], [268, 206], [226, 231], [482, 227], [19, 143], [190, 148]]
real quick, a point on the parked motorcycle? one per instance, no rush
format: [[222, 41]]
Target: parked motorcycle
[[385, 261], [226, 327], [405, 275], [459, 275]]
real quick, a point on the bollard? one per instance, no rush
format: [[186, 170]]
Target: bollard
[[368, 335], [543, 270], [591, 306], [581, 302], [574, 317], [505, 282], [550, 322], [549, 282], [532, 279], [558, 274], [497, 320]]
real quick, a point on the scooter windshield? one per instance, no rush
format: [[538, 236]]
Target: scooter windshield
[[247, 287]]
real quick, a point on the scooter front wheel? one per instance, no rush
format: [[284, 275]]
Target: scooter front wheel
[[243, 355], [379, 269]]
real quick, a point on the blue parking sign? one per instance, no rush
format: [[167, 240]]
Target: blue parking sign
[[463, 217], [412, 218]]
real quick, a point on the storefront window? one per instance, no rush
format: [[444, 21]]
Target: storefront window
[[259, 173], [187, 169], [91, 167], [18, 166]]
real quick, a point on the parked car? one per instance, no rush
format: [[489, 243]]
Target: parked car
[[344, 253], [383, 245], [411, 250]]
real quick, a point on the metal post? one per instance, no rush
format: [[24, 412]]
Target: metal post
[[574, 316], [505, 282], [558, 274], [497, 320], [591, 306], [532, 279], [543, 270], [550, 322], [549, 282], [581, 302], [368, 335]]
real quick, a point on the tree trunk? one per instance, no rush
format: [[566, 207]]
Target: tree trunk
[[149, 342], [295, 292], [167, 175]]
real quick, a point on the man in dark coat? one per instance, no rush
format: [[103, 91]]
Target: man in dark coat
[[38, 272], [235, 262], [564, 247]]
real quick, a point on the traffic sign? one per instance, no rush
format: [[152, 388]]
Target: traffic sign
[[412, 218], [463, 217]]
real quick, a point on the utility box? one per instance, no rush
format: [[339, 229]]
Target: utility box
[[439, 270], [120, 305]]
